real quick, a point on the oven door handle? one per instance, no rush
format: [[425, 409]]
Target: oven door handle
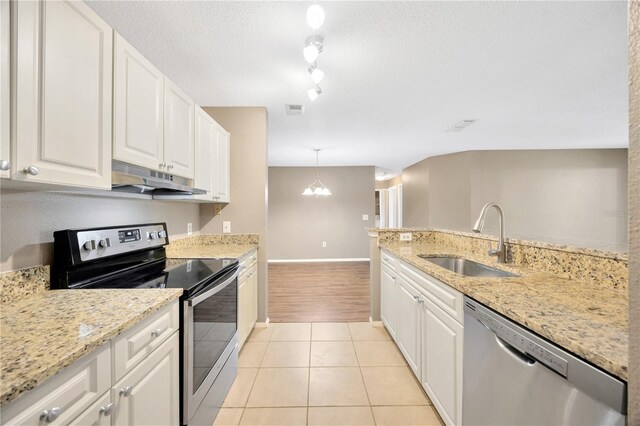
[[208, 293]]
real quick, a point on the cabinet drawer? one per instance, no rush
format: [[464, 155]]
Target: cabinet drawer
[[389, 260], [443, 296], [69, 392], [139, 341], [248, 261]]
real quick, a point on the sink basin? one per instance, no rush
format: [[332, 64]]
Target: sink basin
[[466, 267]]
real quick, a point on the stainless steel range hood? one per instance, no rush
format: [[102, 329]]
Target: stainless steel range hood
[[139, 180]]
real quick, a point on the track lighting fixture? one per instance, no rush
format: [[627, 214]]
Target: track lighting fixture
[[312, 48], [315, 16], [316, 74]]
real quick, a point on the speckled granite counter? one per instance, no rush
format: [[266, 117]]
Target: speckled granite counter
[[213, 246], [587, 319], [44, 333]]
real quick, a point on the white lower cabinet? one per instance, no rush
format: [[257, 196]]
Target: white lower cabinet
[[88, 392], [65, 396], [99, 414], [149, 394], [408, 332], [247, 296], [442, 362], [424, 315]]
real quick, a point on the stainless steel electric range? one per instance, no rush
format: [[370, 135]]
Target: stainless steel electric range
[[134, 256]]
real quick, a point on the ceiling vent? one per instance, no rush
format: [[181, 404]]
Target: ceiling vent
[[461, 125], [294, 109]]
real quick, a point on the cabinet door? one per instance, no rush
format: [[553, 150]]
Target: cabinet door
[[243, 308], [138, 108], [253, 298], [388, 300], [63, 84], [442, 338], [149, 394], [205, 134], [5, 158], [408, 332], [99, 414], [222, 166], [178, 131]]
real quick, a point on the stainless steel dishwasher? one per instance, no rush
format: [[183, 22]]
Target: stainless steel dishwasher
[[514, 377]]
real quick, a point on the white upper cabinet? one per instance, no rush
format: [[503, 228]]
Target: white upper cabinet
[[221, 183], [178, 131], [63, 82], [205, 134], [153, 118], [5, 157], [212, 161], [138, 108]]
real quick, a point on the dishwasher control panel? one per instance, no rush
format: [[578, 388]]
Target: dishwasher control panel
[[521, 343]]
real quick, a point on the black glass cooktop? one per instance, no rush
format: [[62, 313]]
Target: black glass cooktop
[[191, 275]]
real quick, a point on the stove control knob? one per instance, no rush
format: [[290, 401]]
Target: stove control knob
[[152, 235], [89, 245], [104, 243], [162, 234]]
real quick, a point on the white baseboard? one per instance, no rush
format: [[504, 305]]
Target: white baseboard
[[262, 324], [375, 323], [339, 259]]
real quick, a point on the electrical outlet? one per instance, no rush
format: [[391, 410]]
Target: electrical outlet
[[405, 236], [324, 244], [226, 227], [189, 228], [365, 217]]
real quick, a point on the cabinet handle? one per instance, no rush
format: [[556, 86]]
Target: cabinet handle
[[393, 278], [156, 332], [416, 298], [5, 165], [31, 170], [162, 165], [169, 166], [106, 410], [51, 415], [126, 391]]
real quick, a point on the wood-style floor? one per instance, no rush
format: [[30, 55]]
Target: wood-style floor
[[319, 292]]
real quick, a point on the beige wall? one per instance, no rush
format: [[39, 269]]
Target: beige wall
[[634, 207], [299, 224], [386, 184], [29, 218], [247, 211], [573, 197]]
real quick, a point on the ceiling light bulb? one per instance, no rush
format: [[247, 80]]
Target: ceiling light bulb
[[325, 191], [312, 48], [315, 16], [307, 191], [313, 93], [311, 53], [318, 191], [316, 74]]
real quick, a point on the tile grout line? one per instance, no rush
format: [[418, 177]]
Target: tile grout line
[[362, 376]]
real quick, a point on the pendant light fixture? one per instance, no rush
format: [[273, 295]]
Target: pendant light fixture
[[317, 188], [312, 49]]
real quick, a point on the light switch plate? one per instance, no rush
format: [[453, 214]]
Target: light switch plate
[[226, 227], [365, 217], [189, 228], [405, 236], [324, 244]]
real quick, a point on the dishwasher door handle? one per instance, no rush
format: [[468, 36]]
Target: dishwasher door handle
[[516, 354]]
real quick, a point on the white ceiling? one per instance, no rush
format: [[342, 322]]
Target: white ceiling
[[535, 75]]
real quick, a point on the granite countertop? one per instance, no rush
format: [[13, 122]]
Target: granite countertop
[[210, 251], [587, 319], [44, 333]]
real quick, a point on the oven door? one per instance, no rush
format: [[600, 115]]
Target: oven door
[[210, 328]]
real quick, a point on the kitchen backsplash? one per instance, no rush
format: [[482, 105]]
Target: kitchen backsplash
[[597, 266], [214, 239]]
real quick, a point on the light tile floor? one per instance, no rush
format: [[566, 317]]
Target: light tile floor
[[327, 374]]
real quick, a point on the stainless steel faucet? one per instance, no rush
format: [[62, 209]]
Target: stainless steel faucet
[[500, 251]]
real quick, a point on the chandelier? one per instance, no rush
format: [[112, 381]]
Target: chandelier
[[317, 188]]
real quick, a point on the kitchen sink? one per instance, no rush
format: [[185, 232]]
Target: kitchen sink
[[466, 267]]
